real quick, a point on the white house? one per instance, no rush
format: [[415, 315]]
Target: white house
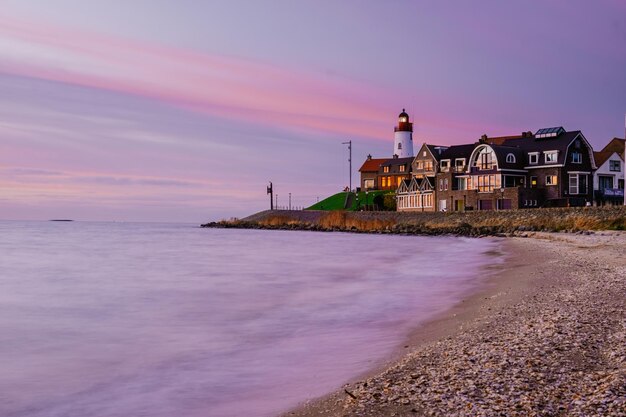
[[608, 179]]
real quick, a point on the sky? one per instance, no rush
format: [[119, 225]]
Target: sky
[[183, 111]]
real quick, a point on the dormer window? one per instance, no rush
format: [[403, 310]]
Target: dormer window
[[551, 157], [533, 158], [385, 169], [445, 164], [577, 158], [459, 162], [510, 158], [402, 168]]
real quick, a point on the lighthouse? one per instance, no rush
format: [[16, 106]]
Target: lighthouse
[[403, 138]]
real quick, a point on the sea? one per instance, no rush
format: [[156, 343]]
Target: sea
[[162, 320]]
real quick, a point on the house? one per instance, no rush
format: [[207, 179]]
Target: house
[[608, 179], [393, 171], [553, 167], [369, 173]]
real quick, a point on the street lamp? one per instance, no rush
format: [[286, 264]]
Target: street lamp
[[366, 200], [349, 143]]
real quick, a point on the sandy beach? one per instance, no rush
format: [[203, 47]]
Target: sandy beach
[[546, 336]]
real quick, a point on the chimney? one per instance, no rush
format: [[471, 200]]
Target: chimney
[[395, 156], [369, 157], [483, 139]]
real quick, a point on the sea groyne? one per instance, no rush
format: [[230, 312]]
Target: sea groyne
[[476, 223]]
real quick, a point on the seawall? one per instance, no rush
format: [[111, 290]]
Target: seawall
[[478, 223]]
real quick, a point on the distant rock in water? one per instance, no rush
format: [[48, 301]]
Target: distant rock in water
[[60, 220]]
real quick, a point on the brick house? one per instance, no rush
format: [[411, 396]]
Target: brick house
[[550, 168], [369, 173], [393, 171]]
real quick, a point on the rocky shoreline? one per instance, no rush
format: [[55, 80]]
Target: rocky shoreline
[[482, 223], [548, 338]]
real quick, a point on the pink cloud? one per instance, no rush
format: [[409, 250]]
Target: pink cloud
[[222, 86]]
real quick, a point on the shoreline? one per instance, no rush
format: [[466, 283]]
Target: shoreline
[[511, 301]]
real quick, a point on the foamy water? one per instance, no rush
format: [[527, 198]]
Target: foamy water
[[161, 320]]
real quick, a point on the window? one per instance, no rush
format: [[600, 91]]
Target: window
[[533, 158], [424, 154], [485, 159], [385, 169], [428, 165], [459, 163], [615, 166], [368, 184], [551, 157], [402, 168], [445, 184], [486, 183], [577, 184], [461, 183], [510, 158], [399, 145], [577, 157], [533, 182], [440, 185], [399, 181], [420, 165], [445, 164], [551, 180], [384, 182]]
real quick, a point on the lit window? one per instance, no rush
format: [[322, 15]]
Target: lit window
[[615, 166], [424, 153], [420, 165], [577, 157], [551, 157], [402, 168], [551, 180], [533, 158], [385, 169], [533, 182], [510, 158]]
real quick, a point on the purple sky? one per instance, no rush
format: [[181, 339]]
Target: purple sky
[[156, 110]]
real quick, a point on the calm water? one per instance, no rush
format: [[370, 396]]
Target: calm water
[[161, 320]]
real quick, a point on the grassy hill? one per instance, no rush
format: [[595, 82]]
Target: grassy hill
[[356, 201]]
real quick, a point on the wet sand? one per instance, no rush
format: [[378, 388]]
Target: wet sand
[[545, 336]]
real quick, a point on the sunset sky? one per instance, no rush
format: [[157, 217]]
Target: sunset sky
[[162, 110]]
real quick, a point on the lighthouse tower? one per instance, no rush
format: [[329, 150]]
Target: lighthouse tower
[[403, 140]]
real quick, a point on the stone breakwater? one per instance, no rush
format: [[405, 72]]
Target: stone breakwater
[[480, 223], [557, 348]]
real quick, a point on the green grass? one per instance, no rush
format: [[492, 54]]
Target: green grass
[[336, 202]]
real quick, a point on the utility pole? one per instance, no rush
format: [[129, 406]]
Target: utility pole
[[270, 191], [349, 143]]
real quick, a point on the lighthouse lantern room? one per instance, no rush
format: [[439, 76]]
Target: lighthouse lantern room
[[403, 139]]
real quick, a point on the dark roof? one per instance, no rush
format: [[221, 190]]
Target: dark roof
[[372, 165], [458, 151], [397, 161], [403, 114], [436, 150], [503, 151], [534, 144]]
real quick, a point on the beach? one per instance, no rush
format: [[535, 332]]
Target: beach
[[546, 336]]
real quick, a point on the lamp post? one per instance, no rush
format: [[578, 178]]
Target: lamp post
[[270, 191], [349, 143], [366, 200]]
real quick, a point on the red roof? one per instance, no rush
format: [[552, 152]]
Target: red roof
[[601, 157], [615, 145], [372, 165]]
